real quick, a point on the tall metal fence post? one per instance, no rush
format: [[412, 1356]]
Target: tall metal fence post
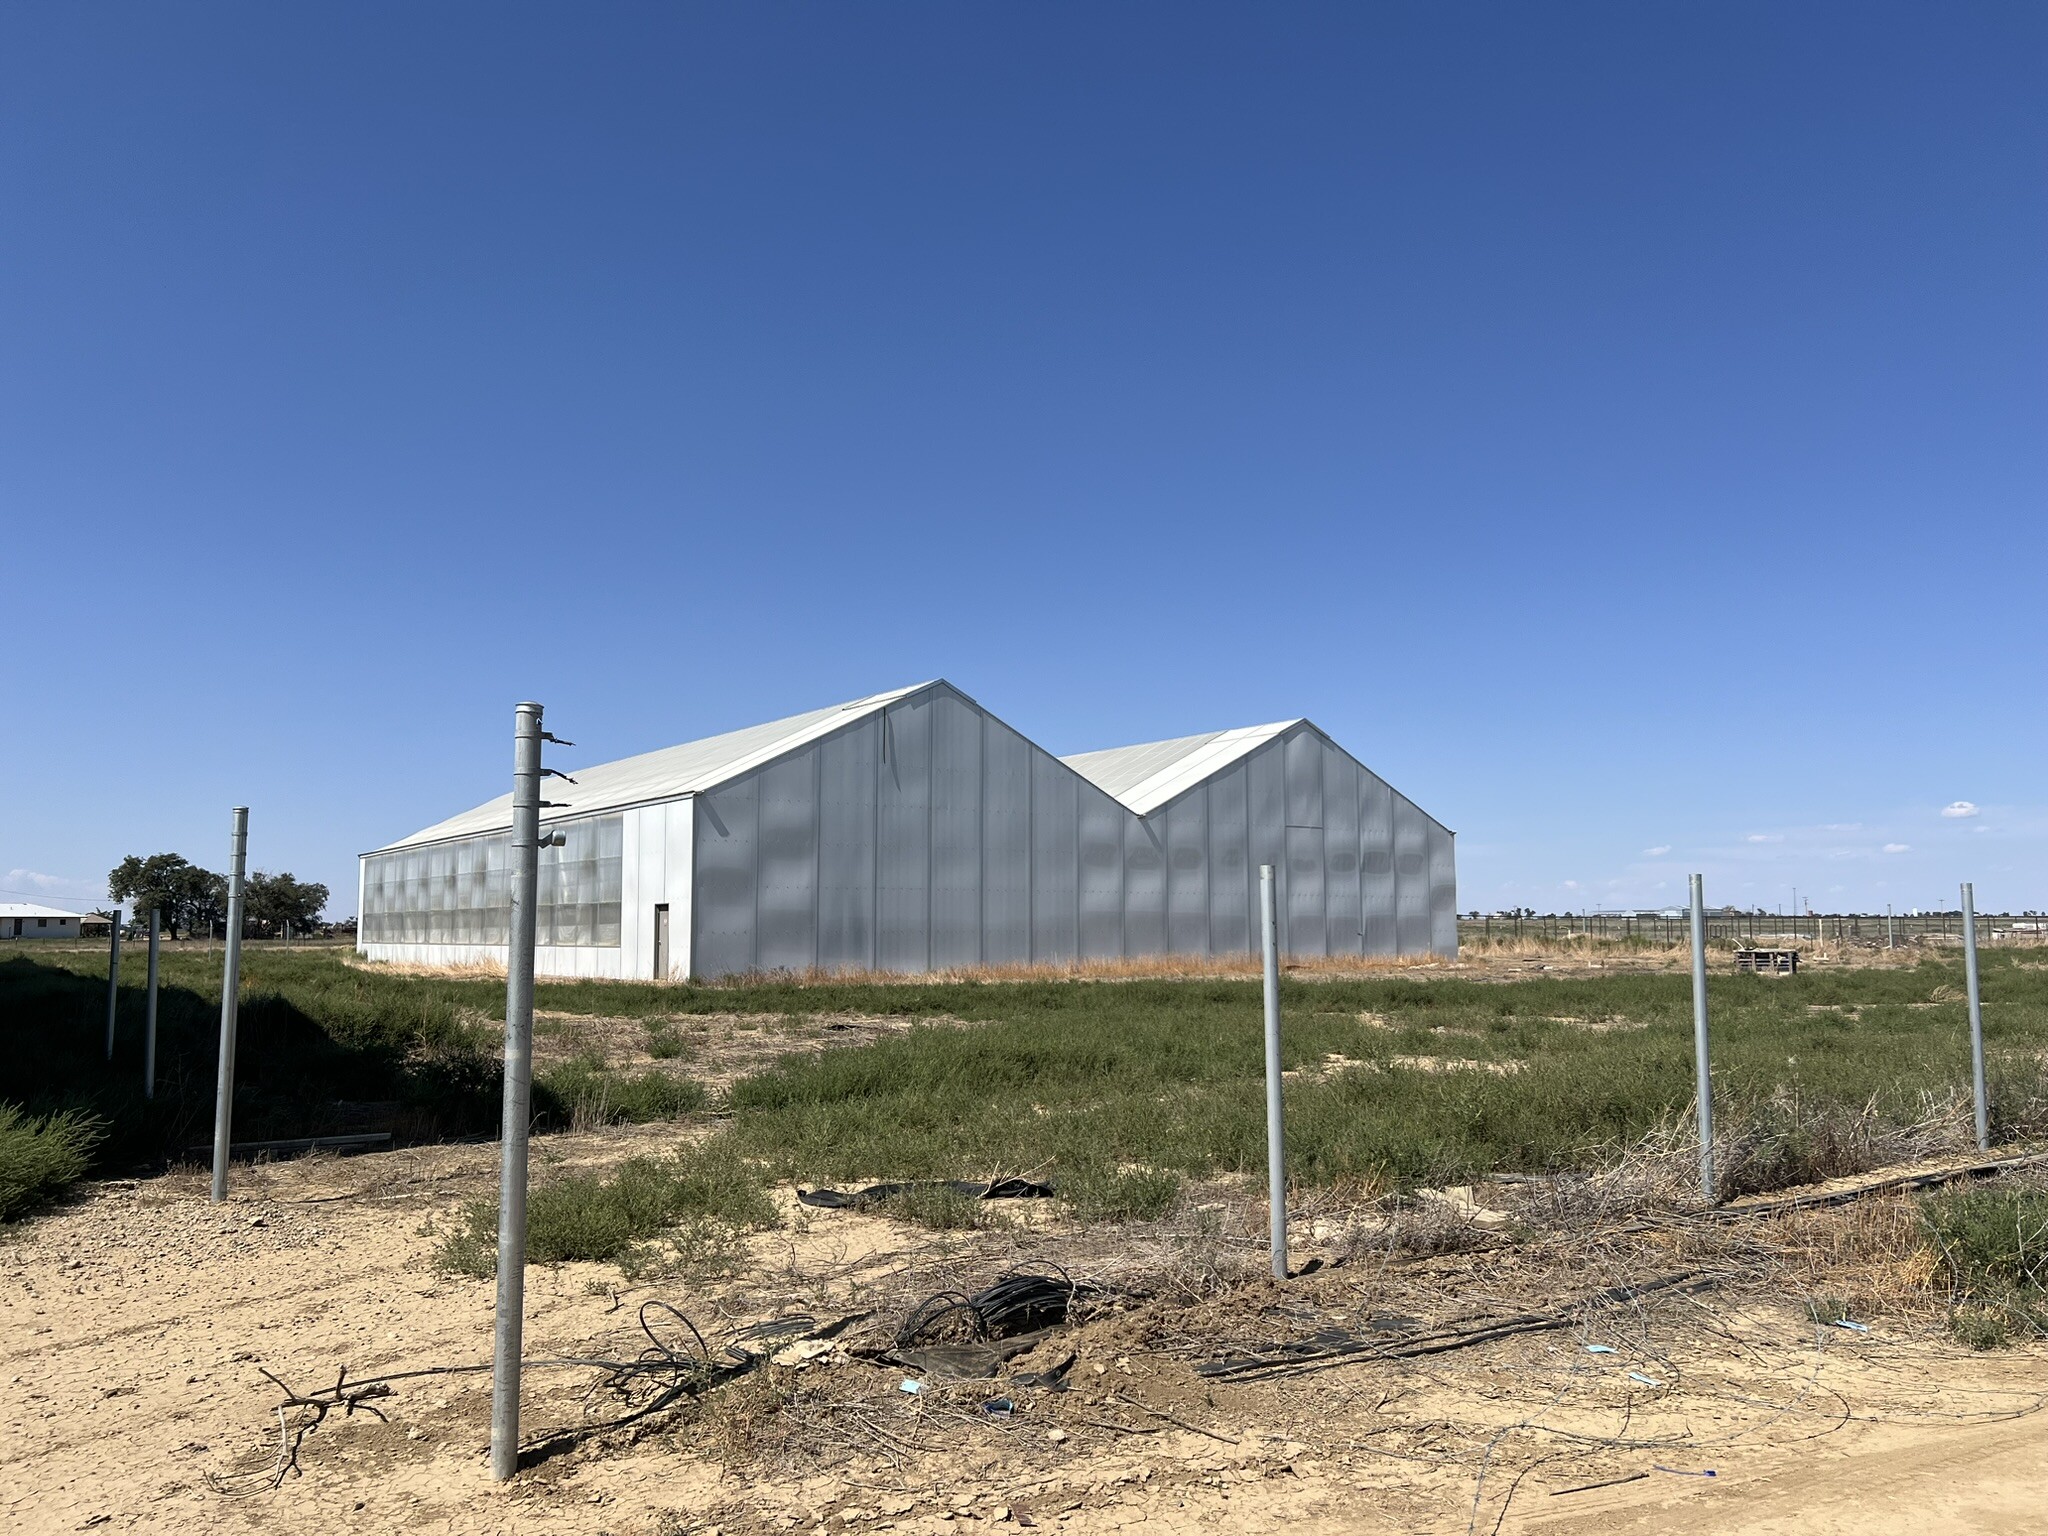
[[149, 1011], [230, 1003], [113, 979], [1977, 1091], [1705, 1088], [510, 1329], [1276, 1134]]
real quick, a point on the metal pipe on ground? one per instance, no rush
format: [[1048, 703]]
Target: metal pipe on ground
[[1276, 1133], [510, 1321], [230, 1003], [1977, 1090], [1704, 1085]]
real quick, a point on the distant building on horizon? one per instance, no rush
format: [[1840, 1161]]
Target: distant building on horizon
[[26, 920], [913, 831]]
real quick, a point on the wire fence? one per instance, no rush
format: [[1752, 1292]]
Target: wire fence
[[1751, 928]]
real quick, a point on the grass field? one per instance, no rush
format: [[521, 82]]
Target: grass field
[[1116, 1090]]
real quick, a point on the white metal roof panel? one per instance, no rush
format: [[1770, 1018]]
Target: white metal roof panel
[[667, 774], [30, 909], [1146, 776]]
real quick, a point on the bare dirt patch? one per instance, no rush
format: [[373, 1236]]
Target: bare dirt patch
[[1391, 1390]]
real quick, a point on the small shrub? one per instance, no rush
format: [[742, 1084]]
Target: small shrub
[[583, 1093], [941, 1209], [664, 1044], [41, 1158], [1994, 1253], [1828, 1309], [682, 1212], [1120, 1194]]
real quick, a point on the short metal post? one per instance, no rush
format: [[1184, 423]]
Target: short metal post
[[1978, 1094], [1891, 940], [518, 1093], [1276, 1133], [149, 1011], [230, 1004], [1704, 1082], [113, 980]]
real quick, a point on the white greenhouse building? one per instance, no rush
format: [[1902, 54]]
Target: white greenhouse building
[[914, 831]]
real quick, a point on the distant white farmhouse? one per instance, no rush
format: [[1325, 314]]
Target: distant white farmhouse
[[26, 920]]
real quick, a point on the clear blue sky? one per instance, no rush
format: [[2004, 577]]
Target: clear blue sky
[[1621, 425]]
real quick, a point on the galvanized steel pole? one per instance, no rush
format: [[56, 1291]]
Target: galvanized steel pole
[[230, 1004], [149, 1012], [113, 980], [1276, 1134], [518, 1093], [1978, 1095], [1704, 1082]]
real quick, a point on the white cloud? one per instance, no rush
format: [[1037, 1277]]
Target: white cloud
[[1898, 847], [33, 883], [1657, 852], [1764, 837], [1959, 809], [1571, 885], [1842, 826]]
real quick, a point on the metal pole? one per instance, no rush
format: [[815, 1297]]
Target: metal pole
[[149, 1013], [518, 1093], [113, 980], [1891, 940], [1705, 1084], [1976, 1018], [230, 1002], [1276, 1134]]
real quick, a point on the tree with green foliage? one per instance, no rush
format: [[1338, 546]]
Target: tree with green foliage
[[271, 901], [188, 897]]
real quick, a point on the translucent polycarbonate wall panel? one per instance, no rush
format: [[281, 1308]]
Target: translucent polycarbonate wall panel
[[847, 764], [722, 915], [1302, 931], [1187, 872], [1340, 852], [1006, 845], [786, 912], [1055, 860], [956, 832], [1102, 823], [1304, 759], [1266, 831], [903, 829], [1231, 896], [1144, 888], [1376, 866], [1443, 892], [1411, 877], [459, 893]]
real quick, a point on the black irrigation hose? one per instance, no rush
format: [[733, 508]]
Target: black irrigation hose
[[1019, 1301]]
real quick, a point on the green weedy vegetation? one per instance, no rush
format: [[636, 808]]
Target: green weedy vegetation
[[651, 1215], [1117, 1091], [41, 1158], [1438, 1079], [1993, 1243], [584, 1092]]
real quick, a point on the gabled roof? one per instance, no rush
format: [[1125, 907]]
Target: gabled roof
[[1146, 776], [688, 769], [30, 909]]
